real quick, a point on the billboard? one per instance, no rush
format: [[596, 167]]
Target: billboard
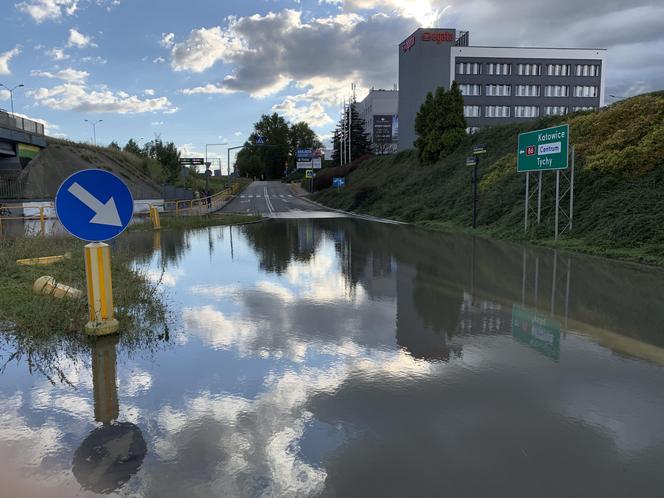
[[382, 129], [304, 158]]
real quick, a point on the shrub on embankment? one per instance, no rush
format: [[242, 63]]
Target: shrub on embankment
[[619, 188]]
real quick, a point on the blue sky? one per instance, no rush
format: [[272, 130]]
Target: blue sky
[[202, 71]]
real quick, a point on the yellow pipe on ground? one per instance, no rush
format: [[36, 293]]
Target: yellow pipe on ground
[[45, 260], [47, 286]]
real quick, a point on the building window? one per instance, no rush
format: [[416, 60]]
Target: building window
[[497, 111], [471, 111], [556, 91], [557, 69], [583, 108], [529, 69], [585, 91], [526, 111], [498, 90], [555, 110], [470, 89], [471, 130], [587, 70], [499, 69], [528, 90], [469, 68]]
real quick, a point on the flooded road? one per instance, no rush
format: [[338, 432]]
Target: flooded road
[[339, 357]]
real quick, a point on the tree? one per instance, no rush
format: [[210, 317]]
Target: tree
[[133, 148], [439, 124], [114, 145], [300, 135], [282, 140], [359, 139], [166, 154]]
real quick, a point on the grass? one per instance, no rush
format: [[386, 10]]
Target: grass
[[42, 330], [172, 222], [619, 187]]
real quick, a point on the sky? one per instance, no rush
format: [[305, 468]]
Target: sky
[[203, 71]]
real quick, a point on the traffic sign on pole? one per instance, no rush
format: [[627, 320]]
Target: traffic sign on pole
[[543, 150], [94, 205], [260, 140]]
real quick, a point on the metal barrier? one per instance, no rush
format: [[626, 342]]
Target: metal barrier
[[188, 207]]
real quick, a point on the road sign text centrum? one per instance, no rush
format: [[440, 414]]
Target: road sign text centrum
[[543, 150]]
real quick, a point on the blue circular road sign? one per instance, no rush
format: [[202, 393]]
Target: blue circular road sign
[[94, 205]]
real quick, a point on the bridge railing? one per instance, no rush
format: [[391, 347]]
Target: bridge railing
[[8, 120]]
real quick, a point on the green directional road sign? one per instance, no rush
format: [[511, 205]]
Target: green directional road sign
[[543, 150]]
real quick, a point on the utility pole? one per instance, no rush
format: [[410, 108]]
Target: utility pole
[[94, 129], [342, 149], [11, 93]]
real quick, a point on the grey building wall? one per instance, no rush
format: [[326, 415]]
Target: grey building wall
[[423, 66], [514, 79], [377, 103]]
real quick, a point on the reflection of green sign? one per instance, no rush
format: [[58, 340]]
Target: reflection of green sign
[[542, 150], [536, 331]]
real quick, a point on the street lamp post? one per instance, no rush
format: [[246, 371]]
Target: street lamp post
[[94, 129], [11, 93]]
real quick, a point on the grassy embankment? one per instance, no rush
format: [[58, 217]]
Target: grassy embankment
[[619, 188]]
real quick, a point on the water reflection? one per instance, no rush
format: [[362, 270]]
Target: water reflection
[[344, 358], [111, 454]]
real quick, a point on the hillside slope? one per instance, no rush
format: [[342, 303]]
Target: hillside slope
[[619, 192], [62, 158]]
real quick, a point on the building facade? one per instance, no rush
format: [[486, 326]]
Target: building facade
[[380, 109], [500, 84]]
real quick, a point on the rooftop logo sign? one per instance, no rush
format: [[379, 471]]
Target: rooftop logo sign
[[446, 36], [407, 45]]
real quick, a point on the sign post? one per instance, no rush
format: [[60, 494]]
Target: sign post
[[543, 150], [95, 205], [474, 161]]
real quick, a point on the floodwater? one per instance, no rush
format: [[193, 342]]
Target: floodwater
[[348, 358]]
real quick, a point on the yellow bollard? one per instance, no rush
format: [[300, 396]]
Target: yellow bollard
[[100, 289], [154, 216], [41, 220], [46, 260], [47, 286]]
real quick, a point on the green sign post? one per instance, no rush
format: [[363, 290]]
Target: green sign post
[[546, 150], [538, 332], [543, 150]]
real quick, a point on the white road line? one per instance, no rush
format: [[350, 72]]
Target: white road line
[[290, 195], [267, 200]]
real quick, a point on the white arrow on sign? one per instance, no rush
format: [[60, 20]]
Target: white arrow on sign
[[522, 152], [105, 214]]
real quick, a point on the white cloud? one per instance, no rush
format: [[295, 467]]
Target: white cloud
[[149, 91], [209, 89], [157, 123], [57, 54], [5, 57], [159, 60], [77, 97], [313, 113], [69, 74], [238, 133], [167, 40], [426, 12], [42, 10], [94, 60], [4, 94], [78, 39]]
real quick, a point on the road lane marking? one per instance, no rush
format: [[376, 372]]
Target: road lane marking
[[267, 200]]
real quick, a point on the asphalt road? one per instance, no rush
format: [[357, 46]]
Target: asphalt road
[[276, 200]]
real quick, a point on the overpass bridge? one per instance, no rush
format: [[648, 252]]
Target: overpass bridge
[[21, 139]]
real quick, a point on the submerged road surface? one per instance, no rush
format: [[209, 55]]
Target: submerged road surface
[[276, 200]]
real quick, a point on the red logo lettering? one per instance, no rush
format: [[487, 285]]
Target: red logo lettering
[[408, 44], [530, 151], [446, 36]]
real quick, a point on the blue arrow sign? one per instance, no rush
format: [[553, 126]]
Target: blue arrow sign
[[94, 205], [260, 140]]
